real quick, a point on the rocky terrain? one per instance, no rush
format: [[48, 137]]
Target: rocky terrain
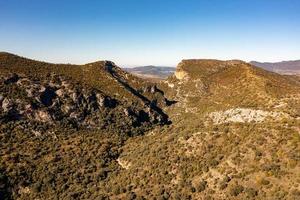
[[43, 106], [60, 99], [213, 130], [235, 135]]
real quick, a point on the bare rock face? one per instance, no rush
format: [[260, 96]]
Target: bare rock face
[[179, 74], [246, 115]]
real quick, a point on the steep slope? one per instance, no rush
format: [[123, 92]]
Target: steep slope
[[62, 126], [227, 84], [284, 67], [88, 87], [235, 135]]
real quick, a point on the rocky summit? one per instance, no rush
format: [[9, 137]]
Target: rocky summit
[[212, 130]]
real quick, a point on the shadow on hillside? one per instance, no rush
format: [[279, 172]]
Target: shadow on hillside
[[5, 190], [147, 102]]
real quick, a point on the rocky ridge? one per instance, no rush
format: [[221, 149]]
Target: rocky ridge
[[59, 99]]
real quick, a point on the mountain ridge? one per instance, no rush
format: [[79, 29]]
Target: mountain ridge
[[214, 129], [101, 74], [227, 125]]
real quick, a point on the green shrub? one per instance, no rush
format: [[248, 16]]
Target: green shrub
[[236, 190]]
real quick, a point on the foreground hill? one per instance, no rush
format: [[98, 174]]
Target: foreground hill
[[151, 72], [61, 126], [235, 132], [284, 67]]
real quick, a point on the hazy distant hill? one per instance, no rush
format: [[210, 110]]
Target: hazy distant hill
[[284, 67], [154, 72]]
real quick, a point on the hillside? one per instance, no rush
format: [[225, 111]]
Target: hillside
[[50, 113], [284, 67], [235, 135], [151, 72], [212, 130], [103, 81], [228, 84]]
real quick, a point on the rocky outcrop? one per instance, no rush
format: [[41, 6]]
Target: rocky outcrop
[[245, 115], [180, 74], [7, 105], [58, 100]]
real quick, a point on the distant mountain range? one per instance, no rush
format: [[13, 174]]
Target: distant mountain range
[[284, 67], [152, 72], [162, 72]]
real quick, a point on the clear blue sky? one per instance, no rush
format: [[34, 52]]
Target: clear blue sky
[[158, 32]]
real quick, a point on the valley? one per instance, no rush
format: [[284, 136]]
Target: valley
[[212, 130]]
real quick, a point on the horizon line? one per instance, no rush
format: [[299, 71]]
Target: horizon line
[[137, 65]]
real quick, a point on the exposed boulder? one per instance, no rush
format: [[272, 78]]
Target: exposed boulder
[[43, 116], [7, 104], [60, 92], [36, 133], [101, 100]]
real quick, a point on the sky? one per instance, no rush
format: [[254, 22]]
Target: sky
[[150, 32]]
